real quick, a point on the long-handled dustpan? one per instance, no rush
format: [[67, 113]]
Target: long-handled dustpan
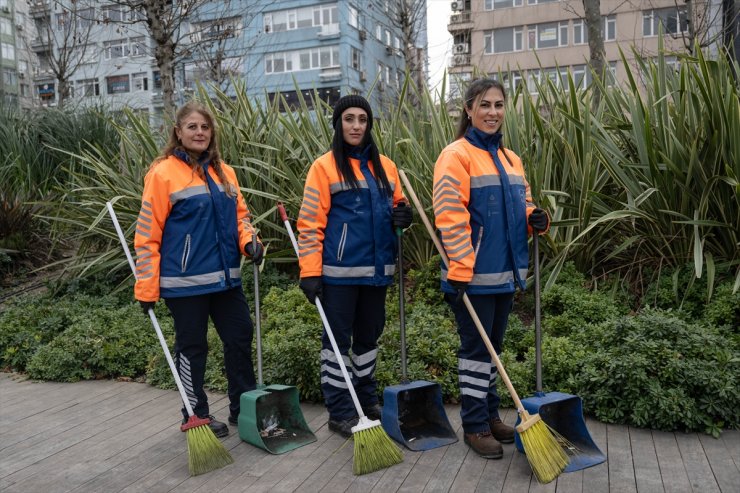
[[562, 412], [413, 413], [270, 417]]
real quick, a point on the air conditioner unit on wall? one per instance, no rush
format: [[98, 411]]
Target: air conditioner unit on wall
[[363, 76], [461, 48], [363, 35], [460, 60], [389, 50], [455, 6]]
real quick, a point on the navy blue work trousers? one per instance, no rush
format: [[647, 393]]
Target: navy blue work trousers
[[356, 315], [477, 373], [230, 314]]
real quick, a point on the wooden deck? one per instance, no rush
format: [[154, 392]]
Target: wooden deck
[[107, 436]]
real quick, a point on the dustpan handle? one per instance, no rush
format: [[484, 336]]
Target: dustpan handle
[[324, 320], [401, 307], [257, 321], [478, 325], [537, 317], [153, 317]]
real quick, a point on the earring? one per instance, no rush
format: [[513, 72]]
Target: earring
[[469, 117]]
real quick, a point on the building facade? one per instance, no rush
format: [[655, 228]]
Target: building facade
[[527, 40], [95, 52]]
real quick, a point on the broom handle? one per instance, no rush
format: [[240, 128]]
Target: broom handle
[[466, 300], [401, 307], [153, 317], [324, 320], [257, 322], [537, 316]]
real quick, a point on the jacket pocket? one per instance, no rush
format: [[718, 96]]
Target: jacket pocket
[[342, 242], [185, 254]]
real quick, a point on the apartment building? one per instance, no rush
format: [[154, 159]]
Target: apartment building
[[9, 87], [531, 39], [275, 47]]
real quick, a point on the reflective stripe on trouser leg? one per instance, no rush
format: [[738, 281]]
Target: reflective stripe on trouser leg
[[479, 398], [367, 329], [190, 316]]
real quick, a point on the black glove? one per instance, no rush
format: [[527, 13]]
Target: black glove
[[402, 216], [146, 305], [255, 254], [312, 288], [539, 220], [460, 286]]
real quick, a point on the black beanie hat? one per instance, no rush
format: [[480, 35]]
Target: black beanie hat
[[352, 101]]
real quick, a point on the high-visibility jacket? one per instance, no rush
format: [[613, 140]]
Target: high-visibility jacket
[[346, 235], [481, 205], [189, 236]]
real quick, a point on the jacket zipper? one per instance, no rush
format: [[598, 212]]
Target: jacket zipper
[[185, 253], [342, 242]]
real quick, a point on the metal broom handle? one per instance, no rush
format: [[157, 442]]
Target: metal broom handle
[[153, 317], [257, 322]]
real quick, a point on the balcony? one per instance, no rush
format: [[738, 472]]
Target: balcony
[[329, 31], [460, 60], [330, 73], [460, 22], [38, 8]]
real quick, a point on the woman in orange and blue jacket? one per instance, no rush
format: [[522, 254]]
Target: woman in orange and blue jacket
[[352, 203], [192, 229], [484, 213]]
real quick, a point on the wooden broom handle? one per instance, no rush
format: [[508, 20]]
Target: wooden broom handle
[[466, 300]]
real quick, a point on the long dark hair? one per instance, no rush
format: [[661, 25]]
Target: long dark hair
[[174, 144], [475, 89], [339, 148]]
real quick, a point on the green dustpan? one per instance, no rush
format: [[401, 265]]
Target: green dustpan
[[270, 417]]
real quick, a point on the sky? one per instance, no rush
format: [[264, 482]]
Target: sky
[[439, 40]]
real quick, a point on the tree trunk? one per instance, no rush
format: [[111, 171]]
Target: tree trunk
[[596, 50]]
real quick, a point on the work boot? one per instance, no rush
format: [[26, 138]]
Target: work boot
[[501, 432], [344, 426], [373, 412], [484, 445], [217, 427], [233, 419]]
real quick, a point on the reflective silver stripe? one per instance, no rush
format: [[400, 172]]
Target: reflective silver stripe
[[483, 367], [493, 279], [438, 212], [390, 269], [478, 394], [478, 382], [144, 268], [364, 373], [143, 233], [340, 384], [480, 238], [485, 181], [312, 191], [363, 359], [516, 180], [308, 252], [342, 242], [145, 219], [343, 185], [334, 371], [145, 276], [143, 226], [199, 280], [446, 181], [235, 273], [328, 355], [187, 379], [462, 255], [334, 271], [175, 197], [453, 227]]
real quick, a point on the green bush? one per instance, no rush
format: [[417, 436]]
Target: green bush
[[99, 343], [656, 370]]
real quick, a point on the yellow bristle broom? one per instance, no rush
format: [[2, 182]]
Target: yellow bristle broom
[[541, 444], [205, 452], [374, 449]]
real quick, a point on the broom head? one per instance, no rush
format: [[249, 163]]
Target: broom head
[[544, 452], [206, 453], [374, 449]]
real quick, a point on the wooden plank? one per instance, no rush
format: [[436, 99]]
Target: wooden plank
[[597, 477], [621, 469], [645, 461], [445, 473], [494, 473], [731, 438], [724, 468], [696, 464], [672, 469]]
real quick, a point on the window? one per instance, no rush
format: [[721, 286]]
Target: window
[[87, 53], [140, 81], [388, 37], [379, 32], [6, 27], [673, 19], [84, 18], [10, 77], [156, 81], [580, 32], [220, 29], [356, 59], [114, 13], [324, 57], [138, 46], [501, 4], [610, 27], [537, 2], [354, 17], [62, 20], [117, 84], [8, 51], [504, 40], [87, 88], [115, 49], [324, 15], [549, 35]]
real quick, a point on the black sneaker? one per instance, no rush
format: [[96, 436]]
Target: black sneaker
[[343, 427], [217, 427], [234, 420], [373, 412]]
